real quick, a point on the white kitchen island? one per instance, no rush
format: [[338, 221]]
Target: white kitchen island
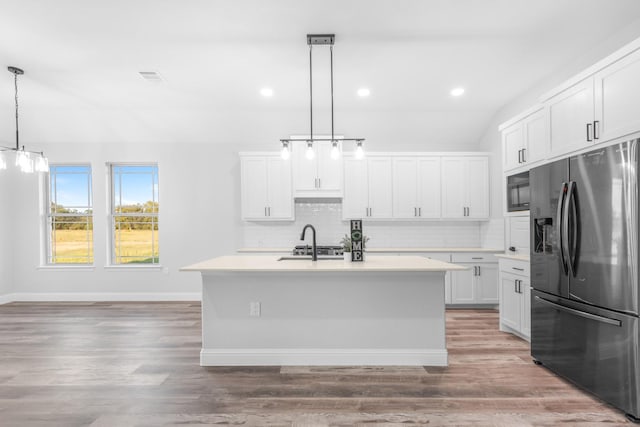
[[388, 310]]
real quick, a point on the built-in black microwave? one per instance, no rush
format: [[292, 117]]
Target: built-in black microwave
[[518, 193]]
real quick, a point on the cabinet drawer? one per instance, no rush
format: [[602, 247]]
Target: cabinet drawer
[[513, 266], [438, 256], [472, 258]]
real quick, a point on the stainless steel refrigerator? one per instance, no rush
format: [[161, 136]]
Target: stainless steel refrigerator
[[584, 272]]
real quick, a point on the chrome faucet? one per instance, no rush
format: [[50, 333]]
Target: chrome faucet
[[314, 254]]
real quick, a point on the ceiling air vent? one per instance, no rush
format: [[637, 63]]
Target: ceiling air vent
[[151, 76]]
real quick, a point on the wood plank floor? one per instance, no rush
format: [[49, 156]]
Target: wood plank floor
[[136, 364]]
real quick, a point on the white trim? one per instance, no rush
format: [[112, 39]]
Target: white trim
[[134, 267], [66, 267], [101, 296], [319, 357]]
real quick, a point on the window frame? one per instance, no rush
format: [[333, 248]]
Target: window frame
[[47, 252], [112, 215]]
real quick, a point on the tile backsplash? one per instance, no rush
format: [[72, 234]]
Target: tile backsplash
[[326, 217]]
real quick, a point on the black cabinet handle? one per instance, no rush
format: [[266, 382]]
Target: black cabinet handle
[[524, 160], [519, 156], [589, 132], [517, 268], [596, 130]]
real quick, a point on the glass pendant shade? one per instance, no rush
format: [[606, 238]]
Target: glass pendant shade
[[42, 164], [24, 161], [335, 151], [310, 154], [285, 153], [359, 154]]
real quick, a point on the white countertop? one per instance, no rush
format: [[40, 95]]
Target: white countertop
[[514, 257], [377, 263], [379, 250]]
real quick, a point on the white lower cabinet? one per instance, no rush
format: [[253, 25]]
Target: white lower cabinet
[[515, 298], [477, 284]]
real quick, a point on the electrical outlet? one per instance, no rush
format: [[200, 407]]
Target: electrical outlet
[[254, 309]]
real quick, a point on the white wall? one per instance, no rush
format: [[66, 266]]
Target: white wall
[[7, 213], [199, 218]]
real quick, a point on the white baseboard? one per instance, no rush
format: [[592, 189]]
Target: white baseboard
[[100, 296], [322, 357]]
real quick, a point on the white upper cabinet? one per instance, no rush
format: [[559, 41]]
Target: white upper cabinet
[[571, 117], [598, 108], [617, 90], [416, 187], [266, 189], [525, 141], [465, 187], [368, 188], [317, 177]]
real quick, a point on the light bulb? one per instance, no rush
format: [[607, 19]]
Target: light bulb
[[457, 91], [42, 164], [3, 162], [310, 154], [359, 151], [285, 154], [335, 151]]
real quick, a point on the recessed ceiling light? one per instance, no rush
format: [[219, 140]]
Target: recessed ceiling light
[[364, 92], [457, 91], [266, 91]]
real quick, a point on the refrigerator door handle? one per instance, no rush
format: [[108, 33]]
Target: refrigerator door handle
[[560, 222], [584, 314], [571, 220]]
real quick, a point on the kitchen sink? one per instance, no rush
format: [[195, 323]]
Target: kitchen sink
[[308, 258]]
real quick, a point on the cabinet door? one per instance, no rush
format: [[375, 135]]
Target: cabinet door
[[462, 286], [487, 284], [405, 188], [518, 234], [429, 195], [509, 301], [617, 92], [525, 319], [477, 187], [254, 190], [536, 137], [280, 196], [305, 171], [356, 189], [380, 188], [453, 187], [569, 114], [329, 170], [512, 145]]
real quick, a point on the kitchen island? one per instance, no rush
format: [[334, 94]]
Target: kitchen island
[[260, 310]]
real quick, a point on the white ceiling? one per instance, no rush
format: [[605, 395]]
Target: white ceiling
[[82, 59]]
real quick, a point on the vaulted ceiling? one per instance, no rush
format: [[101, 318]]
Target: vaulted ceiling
[[82, 59]]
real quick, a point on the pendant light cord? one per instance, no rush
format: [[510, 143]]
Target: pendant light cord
[[331, 52], [15, 81], [311, 91]]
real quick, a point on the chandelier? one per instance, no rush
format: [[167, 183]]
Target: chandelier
[[27, 161]]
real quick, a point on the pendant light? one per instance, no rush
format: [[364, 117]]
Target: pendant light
[[320, 39], [27, 161]]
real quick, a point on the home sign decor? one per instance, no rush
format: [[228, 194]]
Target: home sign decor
[[357, 241]]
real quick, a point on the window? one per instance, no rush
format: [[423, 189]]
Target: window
[[69, 228], [134, 214]]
